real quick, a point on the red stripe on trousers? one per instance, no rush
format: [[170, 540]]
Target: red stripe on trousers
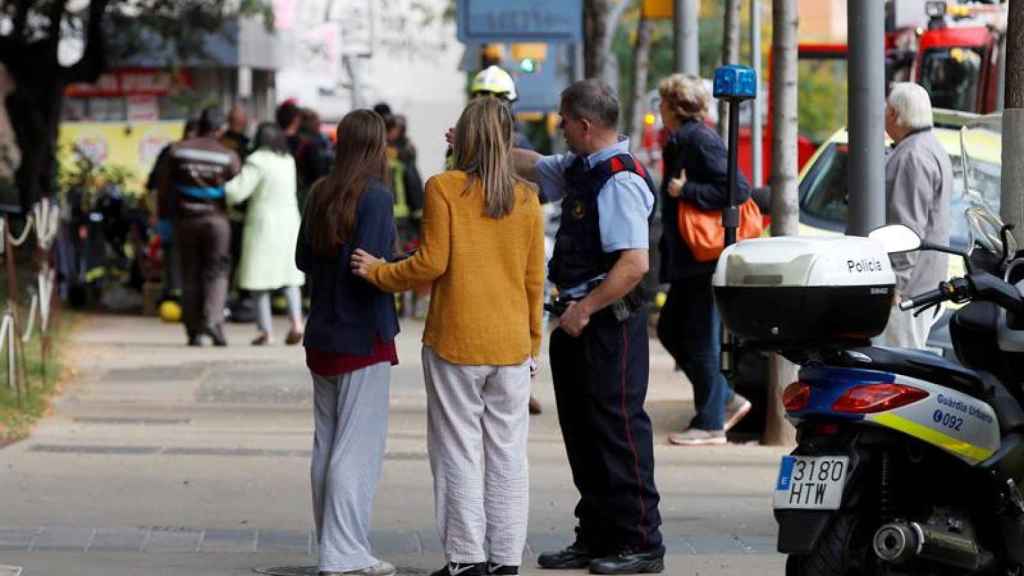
[[629, 434]]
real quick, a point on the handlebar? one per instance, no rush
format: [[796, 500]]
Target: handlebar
[[977, 286], [929, 298]]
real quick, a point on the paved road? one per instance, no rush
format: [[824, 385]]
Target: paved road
[[163, 459]]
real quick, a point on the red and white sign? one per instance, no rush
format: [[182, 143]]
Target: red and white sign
[[132, 82], [143, 108]]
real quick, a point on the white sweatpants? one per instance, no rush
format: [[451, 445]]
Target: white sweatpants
[[351, 419], [477, 426]]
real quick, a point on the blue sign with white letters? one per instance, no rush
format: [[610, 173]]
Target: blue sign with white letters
[[734, 82], [520, 20]]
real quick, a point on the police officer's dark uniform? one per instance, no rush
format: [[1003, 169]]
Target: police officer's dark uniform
[[600, 377]]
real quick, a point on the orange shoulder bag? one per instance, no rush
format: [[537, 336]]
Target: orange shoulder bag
[[703, 233]]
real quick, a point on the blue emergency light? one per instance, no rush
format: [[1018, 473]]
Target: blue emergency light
[[735, 82]]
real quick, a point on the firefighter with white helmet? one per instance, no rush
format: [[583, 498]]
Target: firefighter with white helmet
[[494, 80]]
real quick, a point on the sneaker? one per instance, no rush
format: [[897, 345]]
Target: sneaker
[[457, 569], [698, 437], [735, 410], [381, 568], [502, 569]]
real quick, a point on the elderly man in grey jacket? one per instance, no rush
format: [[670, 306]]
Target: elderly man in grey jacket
[[918, 189]]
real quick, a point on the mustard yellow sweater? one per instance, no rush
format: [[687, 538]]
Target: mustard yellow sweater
[[487, 274]]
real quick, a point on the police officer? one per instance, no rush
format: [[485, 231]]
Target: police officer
[[599, 353], [195, 173]]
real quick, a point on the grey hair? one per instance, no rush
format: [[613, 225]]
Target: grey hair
[[911, 104], [592, 99]]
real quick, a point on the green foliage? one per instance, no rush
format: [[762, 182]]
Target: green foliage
[[16, 419], [822, 84], [822, 98], [86, 176], [662, 55], [162, 20]]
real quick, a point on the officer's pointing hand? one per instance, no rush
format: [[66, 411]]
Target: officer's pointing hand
[[362, 262], [574, 319]]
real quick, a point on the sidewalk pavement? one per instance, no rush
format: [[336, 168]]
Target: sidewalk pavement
[[164, 459]]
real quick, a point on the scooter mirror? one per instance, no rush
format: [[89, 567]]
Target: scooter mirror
[[896, 238]]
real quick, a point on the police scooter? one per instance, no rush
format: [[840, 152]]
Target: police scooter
[[906, 463]]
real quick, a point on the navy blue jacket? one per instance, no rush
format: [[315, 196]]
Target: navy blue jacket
[[347, 314], [699, 150]]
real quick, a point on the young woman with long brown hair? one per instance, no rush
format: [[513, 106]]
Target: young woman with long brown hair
[[349, 343], [482, 247]]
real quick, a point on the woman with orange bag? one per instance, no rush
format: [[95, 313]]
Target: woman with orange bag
[[696, 163]]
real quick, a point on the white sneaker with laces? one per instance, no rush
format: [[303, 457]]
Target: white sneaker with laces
[[698, 437], [735, 410]]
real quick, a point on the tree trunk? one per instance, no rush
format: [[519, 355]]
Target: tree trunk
[[1012, 206], [34, 110], [785, 214], [641, 64], [686, 44], [730, 55], [36, 105], [600, 21]]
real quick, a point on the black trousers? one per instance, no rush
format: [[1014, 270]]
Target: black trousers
[[600, 383]]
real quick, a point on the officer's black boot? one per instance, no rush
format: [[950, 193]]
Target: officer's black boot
[[628, 561], [576, 555]]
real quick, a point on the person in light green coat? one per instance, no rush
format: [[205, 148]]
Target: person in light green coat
[[272, 221]]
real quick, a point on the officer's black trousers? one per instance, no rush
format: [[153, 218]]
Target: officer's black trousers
[[600, 385]]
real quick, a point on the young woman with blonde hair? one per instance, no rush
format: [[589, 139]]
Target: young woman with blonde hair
[[349, 342], [482, 247]]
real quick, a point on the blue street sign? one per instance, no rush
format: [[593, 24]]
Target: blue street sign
[[734, 82], [520, 20], [541, 90]]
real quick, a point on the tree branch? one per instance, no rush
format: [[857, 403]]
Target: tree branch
[[21, 18], [94, 57], [614, 16]]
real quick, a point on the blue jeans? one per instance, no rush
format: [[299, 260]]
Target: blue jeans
[[690, 329]]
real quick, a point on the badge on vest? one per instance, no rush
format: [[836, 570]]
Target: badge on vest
[[579, 210]]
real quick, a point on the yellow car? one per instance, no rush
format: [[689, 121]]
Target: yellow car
[[823, 188]]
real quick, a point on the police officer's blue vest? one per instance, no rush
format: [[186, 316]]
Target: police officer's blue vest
[[578, 256]]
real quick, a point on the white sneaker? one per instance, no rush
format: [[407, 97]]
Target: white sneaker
[[381, 568], [698, 437], [735, 410]]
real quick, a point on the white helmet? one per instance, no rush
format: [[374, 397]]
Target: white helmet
[[494, 80]]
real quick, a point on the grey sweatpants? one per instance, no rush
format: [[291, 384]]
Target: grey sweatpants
[[477, 425], [264, 317], [351, 419]]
